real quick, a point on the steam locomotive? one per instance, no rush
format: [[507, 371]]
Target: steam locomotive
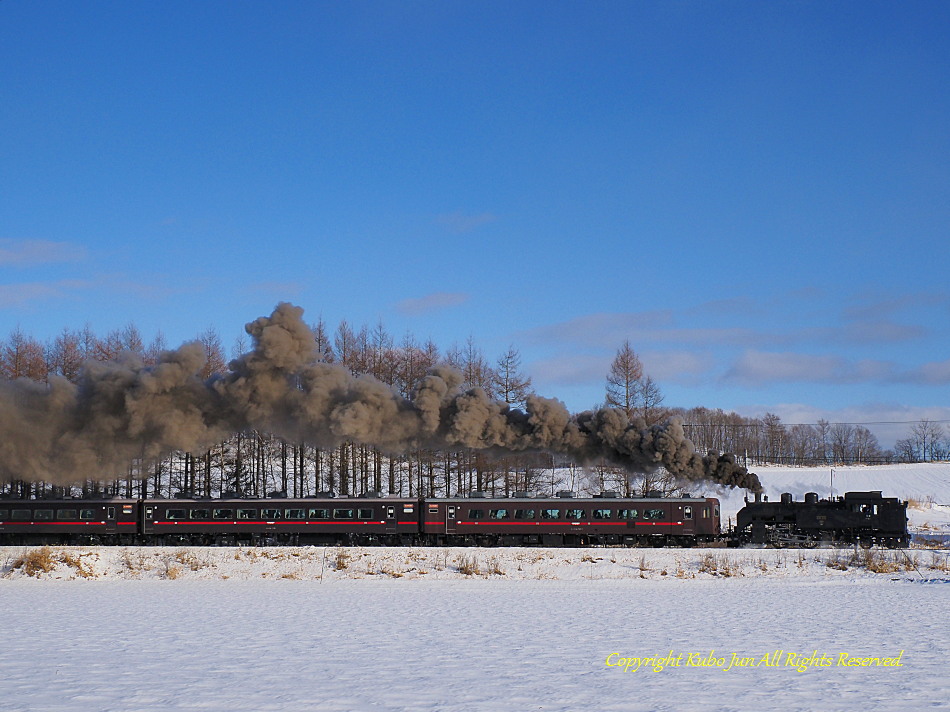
[[521, 520], [856, 518]]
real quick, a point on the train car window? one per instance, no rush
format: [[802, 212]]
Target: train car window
[[247, 514], [601, 514], [319, 514], [67, 515], [654, 514], [175, 514], [476, 514], [550, 514], [705, 512], [627, 514], [222, 514], [293, 514], [201, 514], [575, 514], [4, 514], [364, 514], [342, 513], [42, 514], [716, 511], [687, 512], [21, 514], [270, 514], [524, 514], [497, 513]]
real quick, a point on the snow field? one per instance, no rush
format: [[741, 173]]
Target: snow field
[[429, 645]]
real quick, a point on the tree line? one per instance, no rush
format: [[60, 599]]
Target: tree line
[[766, 439], [257, 463]]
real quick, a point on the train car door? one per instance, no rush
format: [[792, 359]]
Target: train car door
[[148, 516], [111, 525], [450, 519], [390, 519]]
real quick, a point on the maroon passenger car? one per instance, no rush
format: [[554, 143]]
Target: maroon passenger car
[[68, 521], [279, 520], [568, 521]]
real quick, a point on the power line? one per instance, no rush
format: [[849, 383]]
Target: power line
[[761, 424]]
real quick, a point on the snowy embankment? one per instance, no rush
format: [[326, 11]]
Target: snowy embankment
[[332, 564]]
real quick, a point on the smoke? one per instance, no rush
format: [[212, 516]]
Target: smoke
[[123, 411]]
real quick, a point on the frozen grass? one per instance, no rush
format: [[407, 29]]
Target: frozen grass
[[340, 563]]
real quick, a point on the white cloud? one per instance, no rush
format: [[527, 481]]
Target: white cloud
[[570, 370], [888, 421], [25, 253], [756, 368], [431, 302], [935, 372], [686, 367], [12, 295]]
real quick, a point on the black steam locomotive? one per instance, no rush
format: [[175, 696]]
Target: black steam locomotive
[[864, 518], [373, 519]]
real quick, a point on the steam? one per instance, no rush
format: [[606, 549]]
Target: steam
[[122, 411]]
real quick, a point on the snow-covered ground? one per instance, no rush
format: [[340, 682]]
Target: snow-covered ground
[[472, 645], [339, 629]]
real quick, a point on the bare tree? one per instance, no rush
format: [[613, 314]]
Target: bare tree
[[624, 380], [13, 355], [65, 355], [87, 341], [24, 357], [345, 343], [865, 445], [651, 402], [155, 349], [214, 353], [413, 362], [239, 347], [510, 384], [906, 450], [842, 440], [132, 339], [775, 437], [927, 435], [475, 369], [110, 347], [322, 339]]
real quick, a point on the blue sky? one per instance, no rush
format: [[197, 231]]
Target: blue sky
[[756, 195]]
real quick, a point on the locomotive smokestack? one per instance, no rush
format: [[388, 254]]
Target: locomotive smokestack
[[123, 411]]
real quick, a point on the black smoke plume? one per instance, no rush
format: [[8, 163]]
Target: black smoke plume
[[123, 411]]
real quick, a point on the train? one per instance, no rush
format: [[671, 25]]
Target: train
[[866, 518], [476, 520]]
